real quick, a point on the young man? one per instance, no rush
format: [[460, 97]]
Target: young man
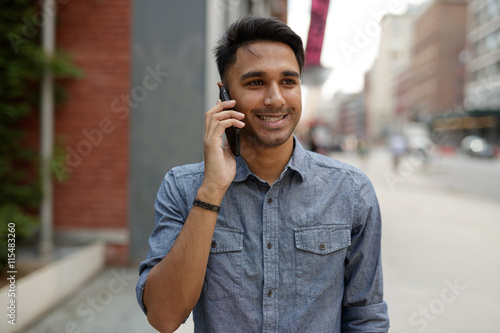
[[278, 239]]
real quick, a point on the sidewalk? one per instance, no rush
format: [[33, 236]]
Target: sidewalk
[[106, 305], [440, 258]]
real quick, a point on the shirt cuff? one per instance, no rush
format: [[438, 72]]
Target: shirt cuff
[[370, 318], [139, 289]]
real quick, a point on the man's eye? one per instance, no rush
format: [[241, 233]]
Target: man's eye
[[288, 81], [255, 83]]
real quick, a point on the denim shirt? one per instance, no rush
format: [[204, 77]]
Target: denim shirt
[[302, 255]]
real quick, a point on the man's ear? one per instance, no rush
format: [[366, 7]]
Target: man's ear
[[220, 84]]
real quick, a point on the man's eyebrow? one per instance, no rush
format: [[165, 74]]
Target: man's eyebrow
[[290, 73], [261, 74], [252, 74]]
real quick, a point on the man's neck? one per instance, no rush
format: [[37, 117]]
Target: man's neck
[[268, 163]]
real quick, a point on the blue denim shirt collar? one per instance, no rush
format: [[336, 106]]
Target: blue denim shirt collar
[[296, 163]]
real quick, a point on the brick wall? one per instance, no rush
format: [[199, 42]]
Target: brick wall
[[94, 121]]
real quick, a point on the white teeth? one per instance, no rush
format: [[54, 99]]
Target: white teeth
[[271, 118]]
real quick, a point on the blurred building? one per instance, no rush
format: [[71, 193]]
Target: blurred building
[[482, 89], [479, 112], [403, 96], [437, 67], [149, 77], [351, 119], [394, 54]]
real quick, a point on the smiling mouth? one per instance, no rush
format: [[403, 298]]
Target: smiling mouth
[[271, 118]]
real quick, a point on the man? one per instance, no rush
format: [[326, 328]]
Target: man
[[278, 239]]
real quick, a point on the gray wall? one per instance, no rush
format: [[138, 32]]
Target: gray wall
[[167, 118]]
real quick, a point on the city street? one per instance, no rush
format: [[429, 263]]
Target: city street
[[471, 176], [441, 225], [105, 103]]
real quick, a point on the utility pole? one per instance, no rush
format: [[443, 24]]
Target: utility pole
[[47, 132]]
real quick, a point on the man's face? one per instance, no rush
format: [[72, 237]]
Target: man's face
[[265, 83]]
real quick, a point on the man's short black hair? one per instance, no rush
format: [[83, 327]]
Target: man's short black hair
[[255, 29]]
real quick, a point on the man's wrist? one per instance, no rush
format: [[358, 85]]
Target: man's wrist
[[206, 205], [210, 194]]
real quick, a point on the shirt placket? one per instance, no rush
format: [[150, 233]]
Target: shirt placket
[[271, 265]]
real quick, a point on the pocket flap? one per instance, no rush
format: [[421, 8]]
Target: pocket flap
[[322, 239], [226, 240]]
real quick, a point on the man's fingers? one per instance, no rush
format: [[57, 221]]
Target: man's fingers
[[221, 126], [227, 114], [220, 107], [218, 129], [215, 119]]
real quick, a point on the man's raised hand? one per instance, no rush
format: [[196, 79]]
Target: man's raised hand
[[220, 165]]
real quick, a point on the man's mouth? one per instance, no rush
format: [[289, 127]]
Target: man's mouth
[[272, 118]]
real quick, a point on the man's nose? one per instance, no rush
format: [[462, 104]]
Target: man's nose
[[274, 97]]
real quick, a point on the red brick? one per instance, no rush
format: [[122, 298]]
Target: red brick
[[97, 35]]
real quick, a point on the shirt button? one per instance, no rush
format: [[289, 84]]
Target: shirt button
[[269, 293], [322, 246], [269, 200], [214, 244], [269, 246]]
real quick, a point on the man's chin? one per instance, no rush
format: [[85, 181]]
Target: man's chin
[[269, 140]]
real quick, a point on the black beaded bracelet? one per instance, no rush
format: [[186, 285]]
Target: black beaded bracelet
[[206, 205]]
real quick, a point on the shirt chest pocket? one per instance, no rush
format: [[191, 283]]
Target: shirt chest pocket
[[319, 257], [223, 276]]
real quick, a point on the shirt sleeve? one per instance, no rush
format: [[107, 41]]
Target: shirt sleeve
[[170, 214], [363, 308]]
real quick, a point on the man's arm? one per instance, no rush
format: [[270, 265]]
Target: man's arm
[[174, 285], [364, 309]]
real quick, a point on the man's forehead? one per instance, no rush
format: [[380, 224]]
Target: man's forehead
[[257, 48], [248, 56]]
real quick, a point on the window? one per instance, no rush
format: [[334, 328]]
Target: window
[[492, 8], [476, 19], [483, 15], [491, 42]]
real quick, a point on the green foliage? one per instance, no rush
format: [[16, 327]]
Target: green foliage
[[22, 65], [13, 218]]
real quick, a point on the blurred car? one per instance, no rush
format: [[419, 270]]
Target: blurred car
[[474, 145], [418, 139], [420, 143]]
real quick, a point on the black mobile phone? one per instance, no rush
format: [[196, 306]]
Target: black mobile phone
[[233, 134]]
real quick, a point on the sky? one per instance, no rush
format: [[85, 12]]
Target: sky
[[351, 39]]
